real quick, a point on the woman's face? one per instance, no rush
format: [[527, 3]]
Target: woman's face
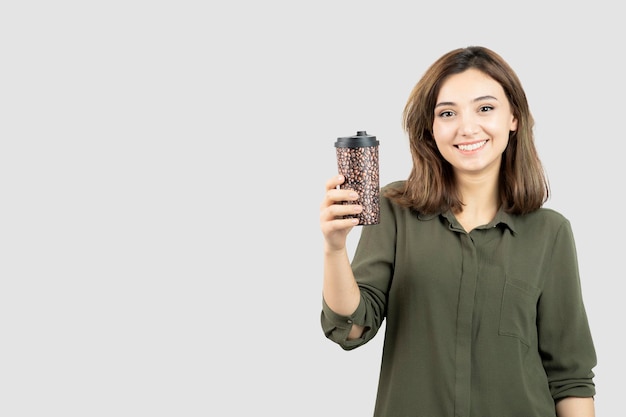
[[472, 121]]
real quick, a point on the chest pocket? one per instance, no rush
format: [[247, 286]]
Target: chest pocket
[[518, 313]]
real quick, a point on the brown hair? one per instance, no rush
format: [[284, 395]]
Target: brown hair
[[430, 187]]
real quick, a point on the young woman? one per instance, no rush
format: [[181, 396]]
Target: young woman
[[478, 283]]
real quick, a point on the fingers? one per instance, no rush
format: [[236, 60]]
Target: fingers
[[336, 195], [335, 181], [339, 211], [334, 205], [335, 227], [333, 210]]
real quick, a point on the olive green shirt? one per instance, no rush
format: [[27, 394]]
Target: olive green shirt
[[489, 323]]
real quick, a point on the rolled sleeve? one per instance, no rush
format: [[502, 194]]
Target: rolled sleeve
[[565, 340], [336, 327]]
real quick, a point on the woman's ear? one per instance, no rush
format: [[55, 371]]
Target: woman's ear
[[513, 126]]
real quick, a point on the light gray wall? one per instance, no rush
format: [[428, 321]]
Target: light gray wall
[[162, 166]]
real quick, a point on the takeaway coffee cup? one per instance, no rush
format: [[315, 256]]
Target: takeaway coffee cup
[[357, 160]]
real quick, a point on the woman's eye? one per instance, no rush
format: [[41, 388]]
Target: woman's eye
[[486, 108], [445, 114]]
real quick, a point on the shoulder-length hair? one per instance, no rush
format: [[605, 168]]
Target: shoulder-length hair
[[430, 187]]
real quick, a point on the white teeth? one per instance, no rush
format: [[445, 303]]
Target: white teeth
[[472, 147]]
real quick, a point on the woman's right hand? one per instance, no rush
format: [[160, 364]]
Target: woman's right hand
[[334, 227]]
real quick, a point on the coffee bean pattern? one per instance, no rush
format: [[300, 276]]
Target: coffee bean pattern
[[360, 167]]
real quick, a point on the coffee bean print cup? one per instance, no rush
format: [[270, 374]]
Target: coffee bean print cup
[[357, 161]]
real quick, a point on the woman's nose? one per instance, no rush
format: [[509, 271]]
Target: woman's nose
[[469, 125]]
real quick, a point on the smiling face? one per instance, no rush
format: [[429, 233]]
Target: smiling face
[[472, 121]]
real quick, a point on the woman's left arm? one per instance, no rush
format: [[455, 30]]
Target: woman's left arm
[[575, 407]]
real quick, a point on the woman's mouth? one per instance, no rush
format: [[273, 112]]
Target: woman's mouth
[[472, 146]]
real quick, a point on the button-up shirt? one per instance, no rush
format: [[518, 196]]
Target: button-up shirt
[[489, 323]]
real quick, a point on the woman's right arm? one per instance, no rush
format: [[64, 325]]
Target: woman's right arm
[[340, 290]]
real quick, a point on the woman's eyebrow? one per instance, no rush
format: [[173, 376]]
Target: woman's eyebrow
[[451, 103], [481, 98]]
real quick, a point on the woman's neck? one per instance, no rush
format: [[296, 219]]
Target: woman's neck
[[480, 201]]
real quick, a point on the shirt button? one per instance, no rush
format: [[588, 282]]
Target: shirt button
[[349, 321]]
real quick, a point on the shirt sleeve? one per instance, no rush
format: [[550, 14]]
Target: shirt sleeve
[[336, 327], [565, 340]]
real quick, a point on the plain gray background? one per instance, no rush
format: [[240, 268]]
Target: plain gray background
[[162, 165]]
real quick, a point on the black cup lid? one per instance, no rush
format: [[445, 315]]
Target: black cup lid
[[360, 140]]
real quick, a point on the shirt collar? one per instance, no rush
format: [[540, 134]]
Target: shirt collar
[[505, 219], [502, 218]]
